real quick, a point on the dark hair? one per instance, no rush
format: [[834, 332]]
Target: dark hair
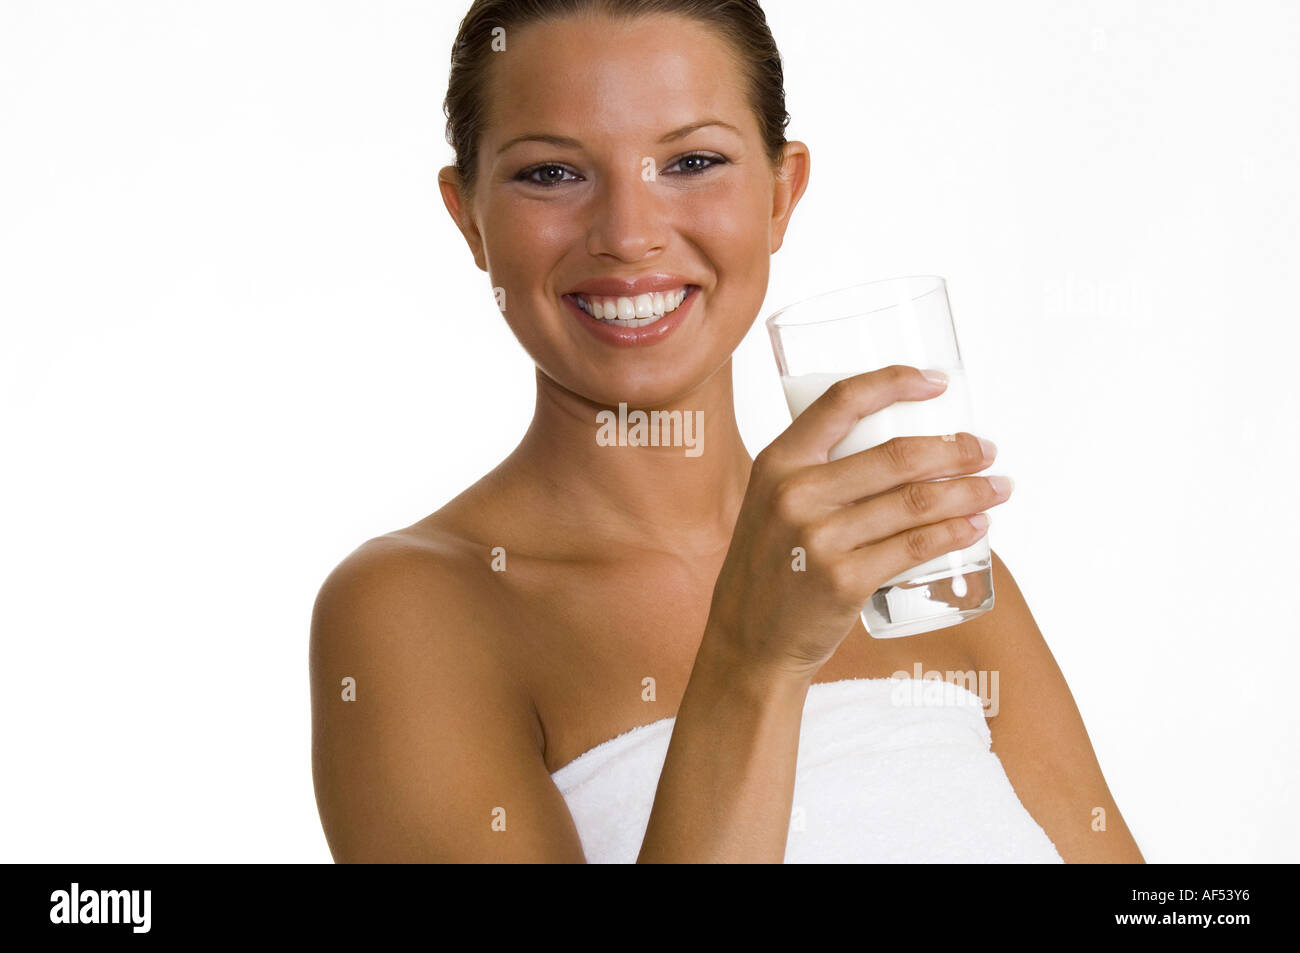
[[739, 22]]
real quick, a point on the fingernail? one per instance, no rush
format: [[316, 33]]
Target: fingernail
[[979, 520], [936, 377], [989, 447], [1002, 485]]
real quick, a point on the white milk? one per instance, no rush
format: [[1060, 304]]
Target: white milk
[[951, 411], [947, 413]]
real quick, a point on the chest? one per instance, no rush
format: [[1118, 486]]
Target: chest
[[604, 649]]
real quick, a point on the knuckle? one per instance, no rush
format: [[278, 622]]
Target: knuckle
[[818, 537], [900, 454], [918, 498], [764, 463], [840, 393], [788, 499], [771, 465], [917, 544], [841, 581]]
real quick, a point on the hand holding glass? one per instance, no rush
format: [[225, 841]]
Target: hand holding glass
[[848, 332]]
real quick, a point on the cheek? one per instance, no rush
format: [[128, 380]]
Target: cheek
[[733, 224], [521, 237], [732, 219]]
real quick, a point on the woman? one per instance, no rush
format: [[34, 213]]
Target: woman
[[629, 613]]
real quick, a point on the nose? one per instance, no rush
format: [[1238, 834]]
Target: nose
[[628, 221]]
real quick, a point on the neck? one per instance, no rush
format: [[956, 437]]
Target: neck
[[579, 465]]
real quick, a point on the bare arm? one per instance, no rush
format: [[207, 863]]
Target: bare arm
[[727, 784], [439, 758], [1039, 735]]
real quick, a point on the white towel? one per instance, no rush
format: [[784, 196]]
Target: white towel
[[888, 771]]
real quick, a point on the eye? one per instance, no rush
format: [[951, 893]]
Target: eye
[[551, 175], [693, 163]]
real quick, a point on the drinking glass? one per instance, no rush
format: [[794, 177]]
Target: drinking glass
[[842, 333]]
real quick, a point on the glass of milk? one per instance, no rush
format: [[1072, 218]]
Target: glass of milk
[[863, 328]]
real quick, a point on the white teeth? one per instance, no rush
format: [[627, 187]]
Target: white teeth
[[633, 312]]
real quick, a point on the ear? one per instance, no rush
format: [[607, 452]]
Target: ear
[[791, 181], [462, 212]]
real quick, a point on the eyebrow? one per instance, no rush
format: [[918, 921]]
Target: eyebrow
[[565, 141]]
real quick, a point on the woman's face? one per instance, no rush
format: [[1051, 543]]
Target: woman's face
[[641, 186]]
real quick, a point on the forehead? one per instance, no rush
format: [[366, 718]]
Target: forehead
[[593, 76]]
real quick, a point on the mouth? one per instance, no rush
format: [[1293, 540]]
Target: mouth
[[637, 311]]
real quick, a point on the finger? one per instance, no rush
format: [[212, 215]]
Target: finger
[[865, 568], [909, 507], [829, 418], [881, 468]]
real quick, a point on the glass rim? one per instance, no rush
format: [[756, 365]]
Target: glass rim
[[773, 322]]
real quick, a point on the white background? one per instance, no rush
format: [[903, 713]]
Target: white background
[[241, 335]]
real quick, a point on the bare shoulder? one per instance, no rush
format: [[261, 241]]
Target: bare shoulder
[[1007, 640], [416, 596], [1006, 633], [1039, 735], [420, 731], [401, 572], [989, 636]]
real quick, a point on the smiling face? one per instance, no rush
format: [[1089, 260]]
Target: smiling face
[[651, 170]]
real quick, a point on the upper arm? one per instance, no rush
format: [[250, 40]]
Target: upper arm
[[437, 758], [1039, 735]]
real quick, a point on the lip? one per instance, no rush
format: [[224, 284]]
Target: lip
[[630, 287], [633, 337]]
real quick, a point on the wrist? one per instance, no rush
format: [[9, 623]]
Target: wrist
[[724, 657]]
